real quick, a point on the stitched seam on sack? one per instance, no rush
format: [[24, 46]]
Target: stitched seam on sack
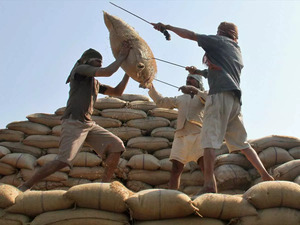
[[18, 160], [221, 212]]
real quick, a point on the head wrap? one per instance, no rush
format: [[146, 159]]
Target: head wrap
[[199, 79], [228, 30], [90, 53]]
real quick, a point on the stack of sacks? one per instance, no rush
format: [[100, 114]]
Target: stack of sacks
[[147, 133]]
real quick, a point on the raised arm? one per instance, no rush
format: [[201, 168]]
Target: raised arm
[[119, 89], [181, 32], [194, 70]]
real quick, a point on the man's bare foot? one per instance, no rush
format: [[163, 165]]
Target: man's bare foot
[[23, 188], [203, 191]]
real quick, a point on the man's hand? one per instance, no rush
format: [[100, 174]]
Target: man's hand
[[188, 89], [125, 49], [191, 69], [159, 26]]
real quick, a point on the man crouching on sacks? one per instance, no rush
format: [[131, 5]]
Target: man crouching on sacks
[[77, 125], [186, 142]]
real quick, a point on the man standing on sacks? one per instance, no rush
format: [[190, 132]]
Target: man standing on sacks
[[77, 125], [186, 144]]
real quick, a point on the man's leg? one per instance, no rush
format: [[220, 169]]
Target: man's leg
[[252, 156], [43, 172], [177, 168], [111, 164]]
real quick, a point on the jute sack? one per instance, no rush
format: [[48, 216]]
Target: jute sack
[[295, 152], [150, 144], [56, 131], [75, 181], [13, 218], [90, 173], [285, 142], [155, 177], [149, 123], [270, 194], [273, 216], [49, 120], [123, 114], [47, 185], [224, 207], [189, 220], [104, 196], [14, 180], [130, 152], [32, 203], [122, 170], [190, 190], [274, 155], [42, 141], [162, 154], [109, 103], [170, 114], [165, 132], [19, 147], [142, 105], [20, 160], [158, 204], [232, 177], [4, 151], [137, 186], [125, 133], [106, 122], [80, 216], [49, 158], [144, 162], [236, 159], [139, 64], [134, 97], [29, 128], [8, 194], [287, 171], [6, 169], [11, 135], [87, 159], [194, 178], [57, 176]]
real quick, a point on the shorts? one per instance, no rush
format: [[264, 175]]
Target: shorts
[[186, 148], [75, 133], [223, 121]]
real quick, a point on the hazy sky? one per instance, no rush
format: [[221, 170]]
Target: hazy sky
[[41, 40]]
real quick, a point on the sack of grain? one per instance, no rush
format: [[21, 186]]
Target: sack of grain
[[109, 103], [150, 177], [149, 123], [4, 151], [287, 171], [19, 147], [236, 159], [87, 159], [150, 144], [6, 169], [158, 204], [104, 196], [125, 133], [224, 207], [189, 220], [20, 160], [273, 216], [106, 122], [80, 216], [170, 114], [123, 114], [90, 173], [56, 131], [49, 158], [270, 194], [11, 135], [295, 152], [139, 63], [136, 186], [42, 141], [144, 162], [194, 178], [142, 105], [165, 132], [232, 177], [134, 97], [14, 179], [32, 203], [47, 185], [57, 176], [8, 194], [29, 128], [70, 182], [13, 218], [130, 152], [274, 155], [49, 120], [163, 153], [285, 142]]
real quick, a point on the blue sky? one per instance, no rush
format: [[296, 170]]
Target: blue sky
[[41, 40]]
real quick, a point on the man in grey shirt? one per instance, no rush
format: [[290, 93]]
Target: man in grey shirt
[[222, 112]]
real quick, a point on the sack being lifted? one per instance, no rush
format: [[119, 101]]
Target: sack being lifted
[[140, 64]]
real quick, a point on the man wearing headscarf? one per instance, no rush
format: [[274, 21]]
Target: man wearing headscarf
[[77, 124], [186, 144], [222, 113]]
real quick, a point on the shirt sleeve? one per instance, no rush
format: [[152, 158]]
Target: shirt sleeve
[[163, 102], [207, 42], [86, 70]]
